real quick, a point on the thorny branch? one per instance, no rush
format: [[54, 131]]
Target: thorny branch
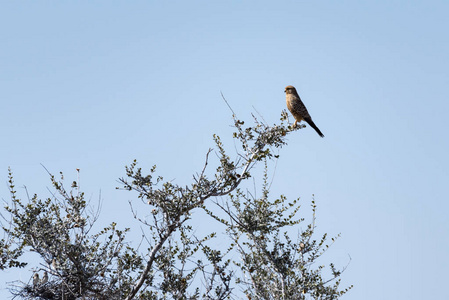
[[87, 267]]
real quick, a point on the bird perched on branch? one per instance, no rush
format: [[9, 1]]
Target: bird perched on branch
[[35, 279], [298, 109], [44, 278]]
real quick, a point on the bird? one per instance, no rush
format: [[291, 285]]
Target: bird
[[54, 264], [298, 109], [44, 278], [35, 279]]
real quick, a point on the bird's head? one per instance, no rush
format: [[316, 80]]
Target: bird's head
[[290, 89]]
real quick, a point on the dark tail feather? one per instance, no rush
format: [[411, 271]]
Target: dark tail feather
[[310, 122]]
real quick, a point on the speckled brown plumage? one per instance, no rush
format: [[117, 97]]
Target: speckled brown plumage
[[298, 109]]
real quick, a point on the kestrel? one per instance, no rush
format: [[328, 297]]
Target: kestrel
[[298, 109]]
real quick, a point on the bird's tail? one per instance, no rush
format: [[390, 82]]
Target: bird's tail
[[310, 122]]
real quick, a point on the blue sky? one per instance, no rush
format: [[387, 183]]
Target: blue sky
[[95, 84]]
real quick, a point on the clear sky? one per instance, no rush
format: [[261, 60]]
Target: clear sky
[[94, 84]]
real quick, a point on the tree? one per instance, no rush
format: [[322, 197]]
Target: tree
[[79, 264]]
